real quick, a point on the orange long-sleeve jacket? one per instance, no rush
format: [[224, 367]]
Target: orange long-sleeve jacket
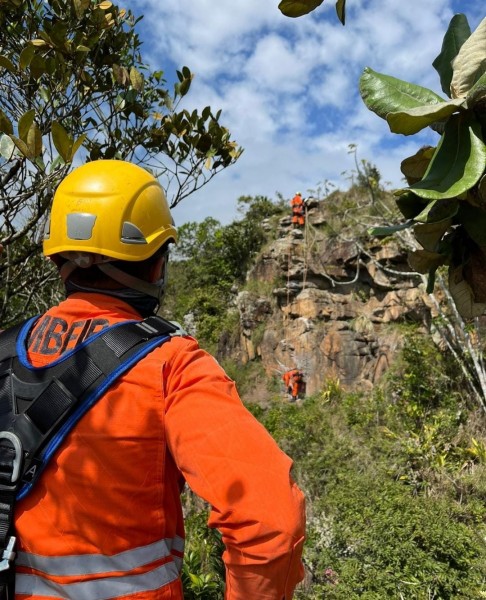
[[105, 519], [297, 204], [293, 381]]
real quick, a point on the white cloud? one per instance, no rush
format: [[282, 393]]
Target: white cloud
[[276, 65], [288, 88], [248, 110]]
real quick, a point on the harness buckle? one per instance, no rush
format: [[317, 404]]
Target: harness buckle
[[18, 457], [8, 555]]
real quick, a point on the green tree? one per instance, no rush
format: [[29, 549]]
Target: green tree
[[74, 87], [199, 279], [243, 239], [209, 259]]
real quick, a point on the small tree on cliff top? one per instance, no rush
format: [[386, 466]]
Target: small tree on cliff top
[[73, 87]]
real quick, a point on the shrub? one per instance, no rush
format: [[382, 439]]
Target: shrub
[[203, 569]]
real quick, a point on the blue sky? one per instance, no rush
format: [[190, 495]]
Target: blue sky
[[288, 88]]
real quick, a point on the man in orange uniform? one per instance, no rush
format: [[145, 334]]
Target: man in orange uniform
[[298, 212], [294, 383], [105, 519]]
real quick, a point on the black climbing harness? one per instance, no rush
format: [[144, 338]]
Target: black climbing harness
[[40, 405]]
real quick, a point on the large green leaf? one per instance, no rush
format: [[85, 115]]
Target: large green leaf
[[470, 63], [413, 120], [458, 162], [298, 8], [456, 34], [384, 94]]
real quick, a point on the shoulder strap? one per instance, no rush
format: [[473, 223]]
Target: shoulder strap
[[39, 406]]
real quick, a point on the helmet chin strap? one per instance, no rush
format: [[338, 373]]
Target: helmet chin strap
[[155, 289], [75, 260]]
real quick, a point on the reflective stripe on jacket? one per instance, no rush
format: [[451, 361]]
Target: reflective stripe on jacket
[[102, 584], [105, 518]]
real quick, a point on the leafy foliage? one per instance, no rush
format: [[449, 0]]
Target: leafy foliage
[[445, 199], [386, 516], [74, 87], [203, 569], [394, 479]]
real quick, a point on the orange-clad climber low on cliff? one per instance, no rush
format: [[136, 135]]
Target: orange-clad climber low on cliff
[[294, 383]]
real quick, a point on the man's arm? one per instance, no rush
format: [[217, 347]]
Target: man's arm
[[230, 460]]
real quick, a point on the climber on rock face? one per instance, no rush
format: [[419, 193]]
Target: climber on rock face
[[294, 383], [298, 212]]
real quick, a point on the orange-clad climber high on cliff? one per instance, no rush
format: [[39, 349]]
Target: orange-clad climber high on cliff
[[104, 518], [298, 210]]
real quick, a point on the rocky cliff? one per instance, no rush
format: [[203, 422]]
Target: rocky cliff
[[327, 304]]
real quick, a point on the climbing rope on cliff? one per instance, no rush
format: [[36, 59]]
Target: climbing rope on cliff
[[306, 233], [288, 278]]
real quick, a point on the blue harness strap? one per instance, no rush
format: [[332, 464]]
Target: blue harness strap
[[39, 406]]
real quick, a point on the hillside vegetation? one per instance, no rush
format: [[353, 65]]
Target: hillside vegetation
[[394, 476]]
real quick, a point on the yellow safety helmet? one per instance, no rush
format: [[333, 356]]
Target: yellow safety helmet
[[111, 208]]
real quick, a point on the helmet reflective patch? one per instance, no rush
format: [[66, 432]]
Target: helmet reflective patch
[[131, 234], [80, 226]]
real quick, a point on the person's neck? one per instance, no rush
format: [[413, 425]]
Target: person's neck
[[145, 305]]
